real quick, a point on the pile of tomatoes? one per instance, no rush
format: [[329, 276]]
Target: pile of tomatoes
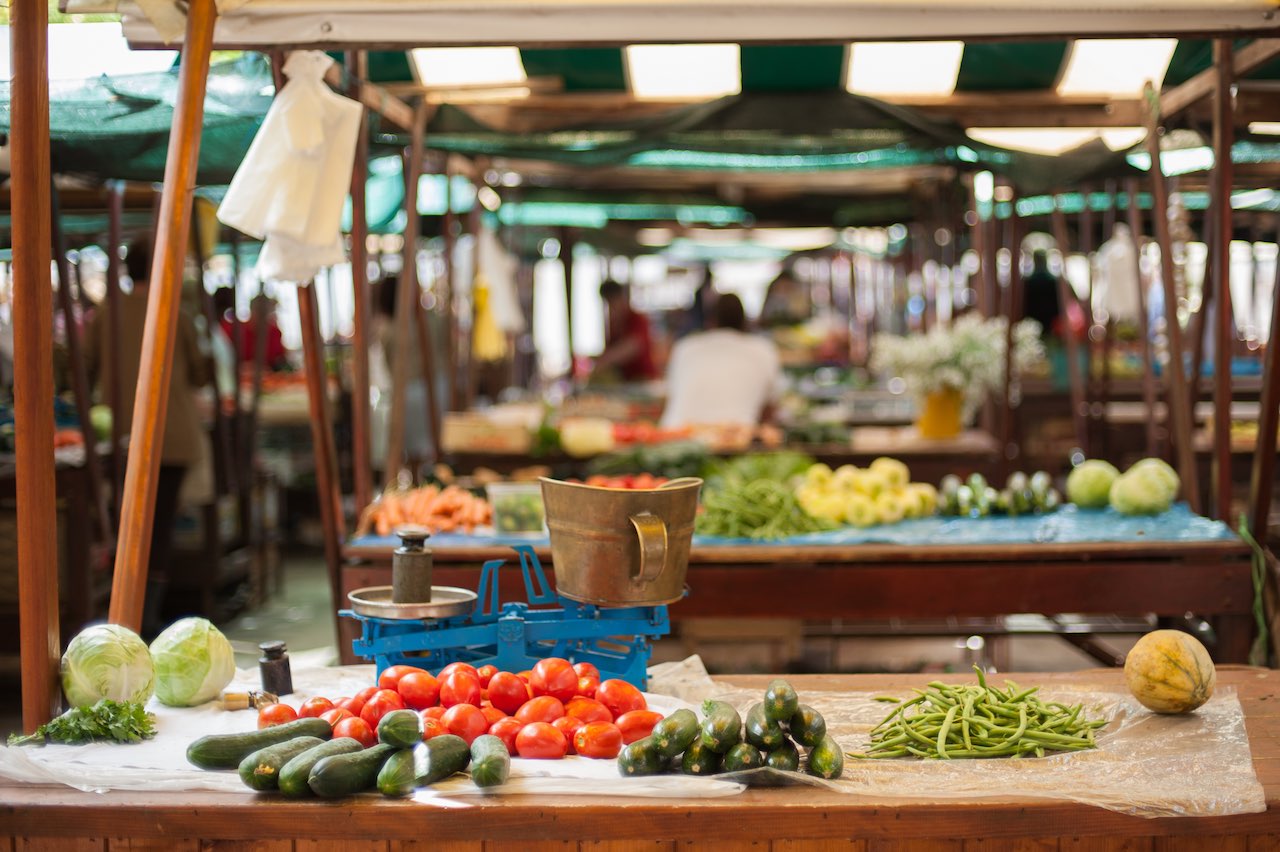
[[627, 481], [554, 709]]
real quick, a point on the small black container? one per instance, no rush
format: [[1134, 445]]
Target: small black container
[[274, 667]]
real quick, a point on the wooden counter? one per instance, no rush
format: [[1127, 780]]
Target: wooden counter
[[781, 820], [1211, 579]]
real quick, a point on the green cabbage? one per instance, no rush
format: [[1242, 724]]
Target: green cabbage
[[107, 661], [1167, 474], [193, 662], [1141, 491], [1089, 483]]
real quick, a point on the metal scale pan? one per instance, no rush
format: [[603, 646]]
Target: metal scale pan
[[446, 601]]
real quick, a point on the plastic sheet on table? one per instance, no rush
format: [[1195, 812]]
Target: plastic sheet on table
[[1147, 765]]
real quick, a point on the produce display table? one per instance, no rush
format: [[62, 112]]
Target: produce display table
[[946, 577], [797, 819]]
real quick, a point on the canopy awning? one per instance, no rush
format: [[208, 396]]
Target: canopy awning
[[284, 23]]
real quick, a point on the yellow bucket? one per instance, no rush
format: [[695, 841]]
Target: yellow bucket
[[615, 547]]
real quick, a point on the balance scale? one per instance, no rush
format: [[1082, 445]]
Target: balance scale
[[461, 626]]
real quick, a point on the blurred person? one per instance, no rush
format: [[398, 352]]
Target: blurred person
[[722, 376], [1041, 300], [182, 445], [263, 305], [628, 340]]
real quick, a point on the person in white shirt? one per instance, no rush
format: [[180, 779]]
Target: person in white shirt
[[724, 375]]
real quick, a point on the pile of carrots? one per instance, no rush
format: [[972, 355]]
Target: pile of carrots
[[438, 510]]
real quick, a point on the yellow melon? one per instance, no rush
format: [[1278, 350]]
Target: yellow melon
[[1169, 671]]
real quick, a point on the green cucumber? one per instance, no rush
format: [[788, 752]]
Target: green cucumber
[[762, 733], [785, 757], [261, 770], [675, 733], [490, 761], [400, 728], [807, 726], [344, 774], [440, 757], [826, 760], [700, 760], [396, 777], [642, 757], [721, 726], [294, 774], [225, 751], [780, 702], [742, 756]]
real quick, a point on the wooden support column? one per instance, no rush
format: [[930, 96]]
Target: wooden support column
[[327, 484], [566, 260], [446, 293], [79, 371], [225, 467], [1144, 331], [361, 463], [426, 349], [1196, 327], [39, 644], [151, 401], [1067, 295], [1009, 432], [115, 396], [1264, 460], [1225, 331], [467, 352], [1175, 372]]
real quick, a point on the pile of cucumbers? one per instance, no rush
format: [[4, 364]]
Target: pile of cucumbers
[[300, 759], [974, 498], [772, 735]]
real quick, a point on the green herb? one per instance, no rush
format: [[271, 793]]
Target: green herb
[[120, 721]]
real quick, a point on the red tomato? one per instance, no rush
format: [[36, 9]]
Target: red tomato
[[586, 670], [351, 705], [540, 741], [432, 727], [486, 673], [620, 697], [555, 677], [314, 708], [382, 703], [391, 675], [568, 726], [336, 715], [600, 740], [365, 694], [507, 692], [357, 729], [506, 730], [460, 687], [419, 690], [588, 710], [637, 724], [465, 720], [275, 714], [588, 685], [525, 675], [492, 715], [456, 667], [544, 708], [433, 712]]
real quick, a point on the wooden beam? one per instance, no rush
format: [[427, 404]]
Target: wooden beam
[[1204, 84], [1144, 331], [374, 97], [447, 289], [1264, 460], [151, 402], [361, 463], [1067, 295], [426, 348], [1225, 332], [30, 180], [115, 397], [1010, 443], [1175, 372], [566, 260]]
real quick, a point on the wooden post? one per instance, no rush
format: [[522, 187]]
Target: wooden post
[[426, 350], [30, 177], [468, 344], [1067, 295], [1175, 374], [327, 485], [115, 398], [446, 294], [1144, 332], [361, 464], [566, 260], [225, 479], [79, 372], [1225, 332], [1264, 459], [405, 294], [1102, 382], [151, 401], [1013, 301], [1196, 327]]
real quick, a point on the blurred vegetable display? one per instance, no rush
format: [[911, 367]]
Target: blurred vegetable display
[[881, 493], [975, 498]]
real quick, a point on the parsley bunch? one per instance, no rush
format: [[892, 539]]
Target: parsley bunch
[[118, 721]]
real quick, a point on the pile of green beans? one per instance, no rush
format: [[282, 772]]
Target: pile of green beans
[[762, 509], [977, 721]]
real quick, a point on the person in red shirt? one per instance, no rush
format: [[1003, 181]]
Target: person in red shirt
[[628, 341], [276, 354]]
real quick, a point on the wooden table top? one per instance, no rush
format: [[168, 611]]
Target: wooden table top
[[781, 819]]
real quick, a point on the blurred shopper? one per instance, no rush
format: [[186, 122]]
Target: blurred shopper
[[628, 340], [1040, 295]]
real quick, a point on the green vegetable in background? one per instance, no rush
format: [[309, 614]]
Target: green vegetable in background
[[107, 661], [1089, 483], [118, 721], [763, 509], [193, 662]]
